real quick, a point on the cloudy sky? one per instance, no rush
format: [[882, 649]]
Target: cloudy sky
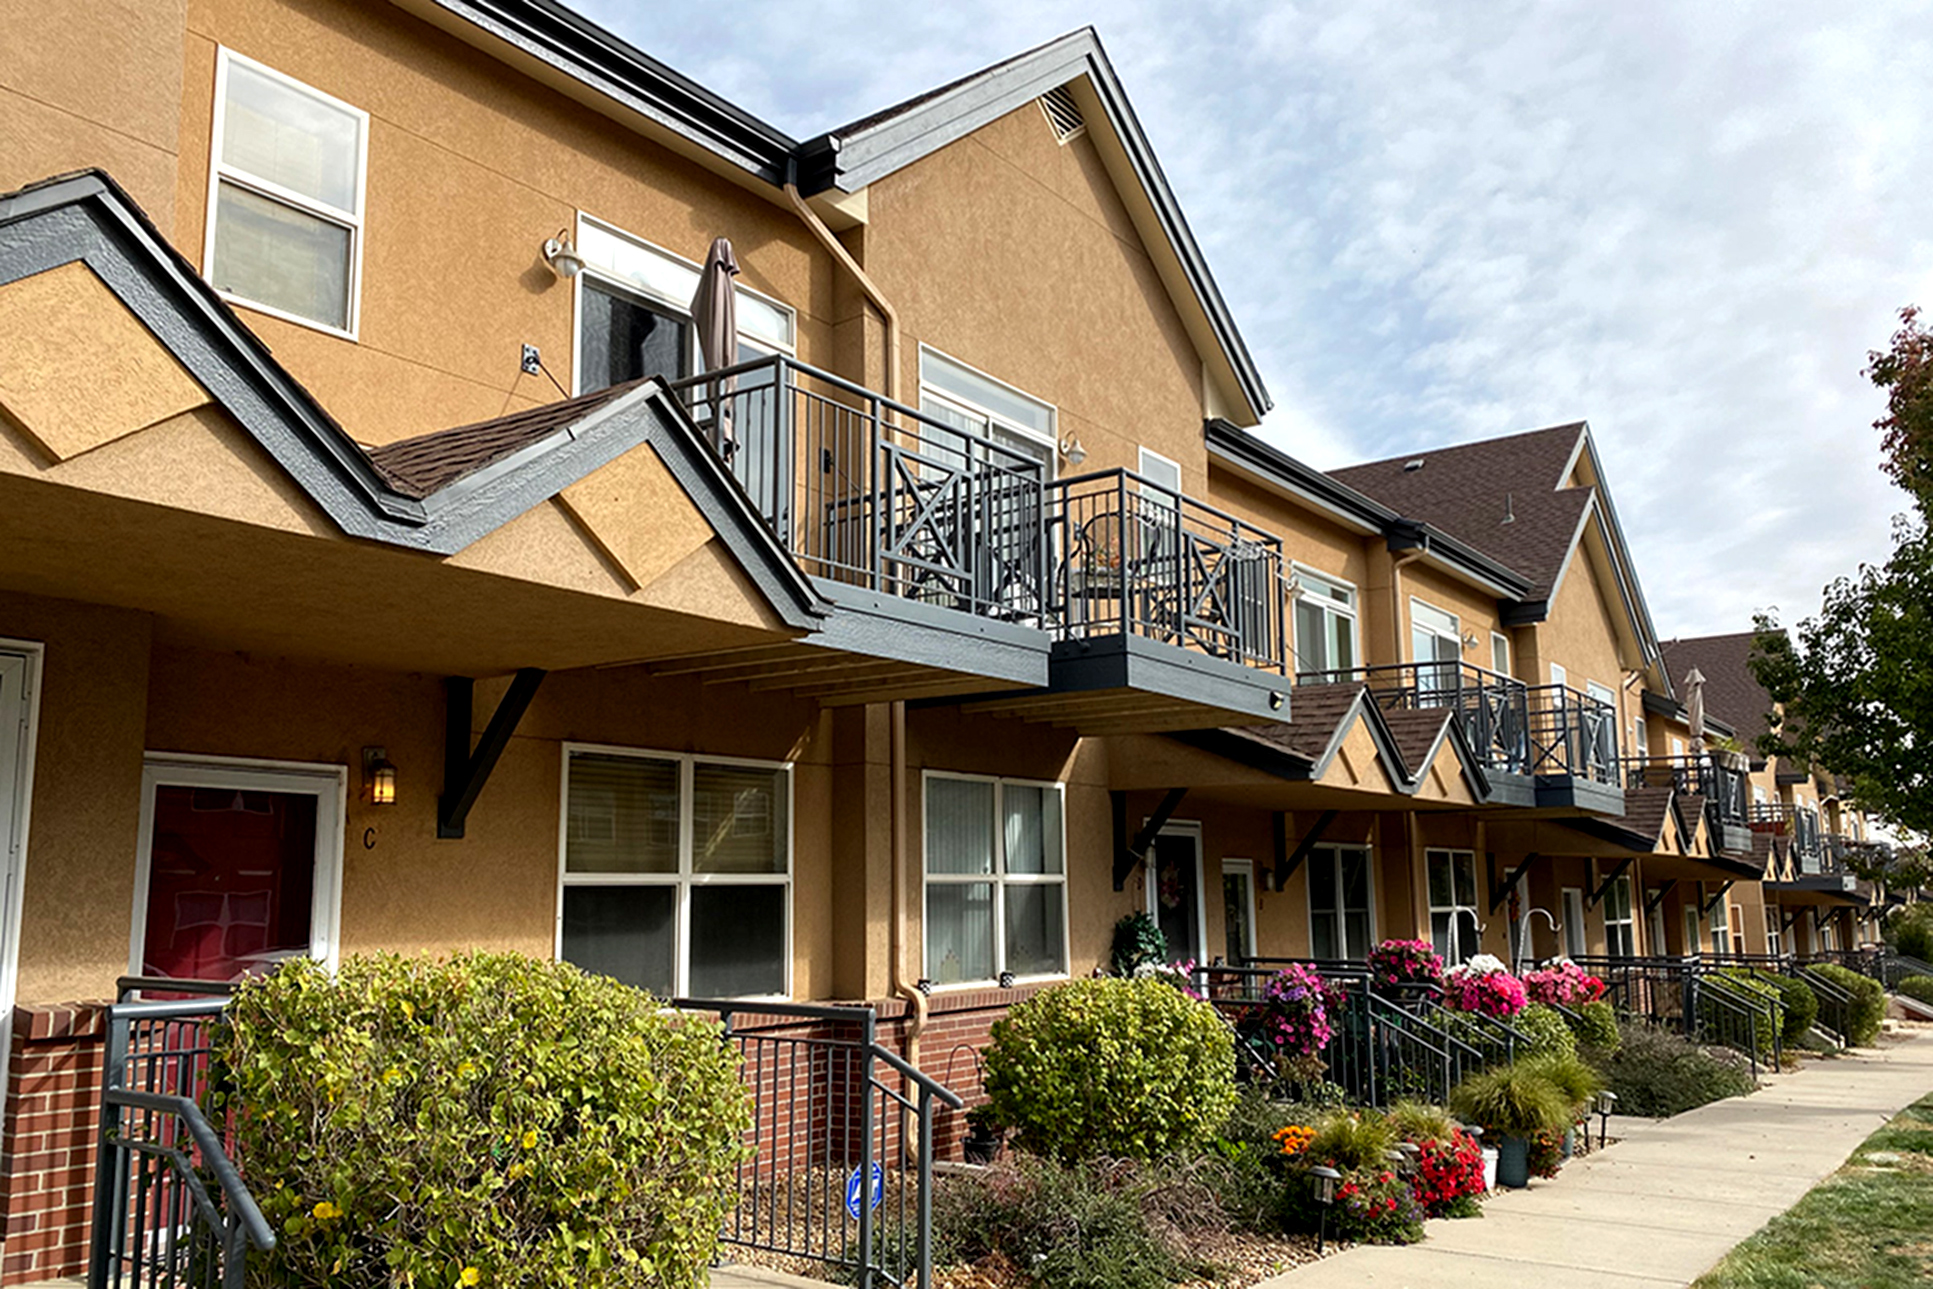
[[1684, 223]]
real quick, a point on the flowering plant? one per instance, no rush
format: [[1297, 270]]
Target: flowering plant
[[1546, 1154], [1297, 1006], [1400, 962], [1377, 1208], [1180, 974], [1563, 982], [1294, 1139], [1449, 1175], [1482, 985]]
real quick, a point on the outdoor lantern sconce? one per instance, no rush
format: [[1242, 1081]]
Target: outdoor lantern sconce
[[1070, 447], [1325, 1179], [562, 255], [1470, 640], [378, 776]]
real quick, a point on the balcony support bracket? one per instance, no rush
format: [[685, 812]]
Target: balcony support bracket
[[1819, 915], [1651, 905], [1500, 893], [1604, 889], [1791, 916], [1128, 853], [466, 771], [1712, 903], [1286, 863]]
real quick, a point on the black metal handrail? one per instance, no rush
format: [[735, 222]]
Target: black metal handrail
[[820, 1107], [1491, 708], [1835, 1005], [866, 490], [1139, 558], [1573, 734]]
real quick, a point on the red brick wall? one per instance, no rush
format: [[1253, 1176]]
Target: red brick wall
[[47, 1159]]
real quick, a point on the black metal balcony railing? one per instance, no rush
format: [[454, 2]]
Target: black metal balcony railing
[[868, 491], [1138, 558], [1491, 708], [1800, 824], [1572, 733], [1722, 787]]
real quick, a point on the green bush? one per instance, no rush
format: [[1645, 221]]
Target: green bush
[[1256, 1117], [1574, 1079], [1093, 1224], [1868, 1002], [1138, 942], [1920, 987], [1545, 1028], [490, 1120], [1351, 1140], [1595, 1026], [1742, 986], [1131, 1069], [1801, 1005], [1911, 931], [1656, 1073]]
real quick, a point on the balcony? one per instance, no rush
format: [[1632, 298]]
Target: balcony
[[1106, 595], [1806, 842], [1540, 745], [1727, 812]]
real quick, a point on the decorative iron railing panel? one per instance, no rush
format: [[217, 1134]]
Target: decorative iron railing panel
[[1492, 709], [1724, 789], [1572, 733]]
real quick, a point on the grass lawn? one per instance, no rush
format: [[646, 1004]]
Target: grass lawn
[[1868, 1226]]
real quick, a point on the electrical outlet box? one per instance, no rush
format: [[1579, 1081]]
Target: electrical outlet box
[[533, 362]]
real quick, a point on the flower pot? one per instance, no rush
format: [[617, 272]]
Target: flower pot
[[1570, 1143], [1489, 1168], [981, 1148], [1513, 1162]]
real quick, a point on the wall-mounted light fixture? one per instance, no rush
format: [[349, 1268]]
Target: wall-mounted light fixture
[[1070, 447], [378, 777], [1470, 640], [562, 255]]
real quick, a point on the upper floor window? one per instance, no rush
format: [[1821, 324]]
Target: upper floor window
[[952, 392], [285, 196], [1435, 637], [634, 312], [1325, 623], [996, 879], [677, 872], [1500, 653]]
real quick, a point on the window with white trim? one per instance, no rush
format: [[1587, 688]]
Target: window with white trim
[[1721, 933], [676, 871], [1691, 929], [970, 400], [1619, 941], [1238, 909], [634, 312], [996, 879], [1435, 637], [1339, 903], [1576, 942], [1774, 932], [285, 196], [1500, 653], [1455, 928], [1325, 623]]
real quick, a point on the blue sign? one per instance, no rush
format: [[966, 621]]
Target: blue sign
[[853, 1185]]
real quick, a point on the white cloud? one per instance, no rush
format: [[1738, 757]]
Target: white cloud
[[1686, 224]]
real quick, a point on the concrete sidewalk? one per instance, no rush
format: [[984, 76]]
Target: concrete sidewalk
[[1665, 1204]]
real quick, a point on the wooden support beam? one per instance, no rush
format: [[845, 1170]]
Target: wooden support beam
[[1605, 886], [465, 771], [1498, 894], [1651, 905], [1136, 851], [1285, 869], [1712, 903], [686, 664], [1790, 916]]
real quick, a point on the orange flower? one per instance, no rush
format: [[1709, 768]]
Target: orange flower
[[1294, 1139]]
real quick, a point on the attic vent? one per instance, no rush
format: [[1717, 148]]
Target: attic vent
[[1063, 114], [1411, 467]]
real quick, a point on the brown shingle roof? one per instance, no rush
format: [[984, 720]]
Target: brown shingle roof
[[1415, 731], [1731, 693], [1315, 711], [1471, 490], [1691, 806], [420, 466], [1644, 811]]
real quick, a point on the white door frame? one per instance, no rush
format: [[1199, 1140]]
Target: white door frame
[[1245, 869], [22, 662], [1192, 831], [328, 783]]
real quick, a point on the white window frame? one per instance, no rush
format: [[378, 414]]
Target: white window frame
[[1500, 659], [1774, 932], [683, 879], [1621, 885], [19, 785], [1244, 869], [1640, 738], [1654, 928], [1333, 853], [1718, 931], [1050, 440], [1453, 908], [1576, 940], [1454, 636], [1351, 613], [1179, 828], [999, 878], [1694, 930], [657, 299], [329, 784], [1559, 676], [1166, 465], [354, 220]]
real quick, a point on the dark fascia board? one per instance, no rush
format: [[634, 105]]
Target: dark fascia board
[[1658, 704], [87, 218], [1248, 454], [1615, 833], [850, 162], [580, 49]]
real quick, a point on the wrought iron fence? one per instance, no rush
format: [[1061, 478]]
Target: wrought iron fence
[[841, 1169], [1724, 789], [868, 491], [1492, 709], [1572, 733], [1138, 558]]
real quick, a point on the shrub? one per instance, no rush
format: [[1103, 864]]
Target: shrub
[[442, 1123], [1574, 1079], [1256, 1117], [1511, 1101], [1089, 1225], [1920, 987], [1742, 985], [1546, 1030], [1401, 962], [1595, 1026], [1414, 1121], [1347, 1140], [1911, 931], [1868, 1002], [1801, 1005], [1124, 1068], [1657, 1073], [1138, 942]]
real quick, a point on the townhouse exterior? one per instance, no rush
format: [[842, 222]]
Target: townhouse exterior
[[388, 570]]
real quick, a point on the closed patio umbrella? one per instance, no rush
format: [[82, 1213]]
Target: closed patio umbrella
[[1695, 709], [714, 309]]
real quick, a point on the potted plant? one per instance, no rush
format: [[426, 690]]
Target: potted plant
[[1405, 970], [1513, 1103], [985, 1136], [1576, 1081]]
